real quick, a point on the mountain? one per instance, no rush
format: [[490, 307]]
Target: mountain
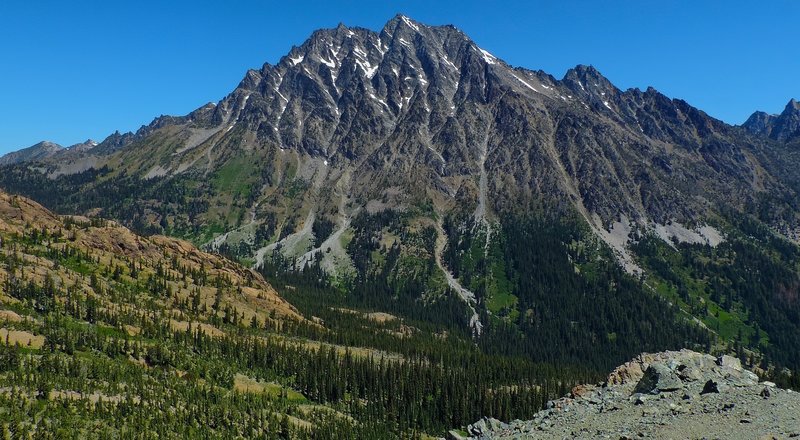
[[45, 150], [782, 127], [40, 151], [562, 220]]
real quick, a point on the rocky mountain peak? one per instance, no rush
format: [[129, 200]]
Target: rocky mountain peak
[[86, 145], [348, 75], [587, 83], [587, 79], [787, 124], [782, 127], [48, 145], [759, 123], [39, 151], [400, 23]]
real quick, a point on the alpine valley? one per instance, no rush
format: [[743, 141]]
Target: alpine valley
[[388, 235]]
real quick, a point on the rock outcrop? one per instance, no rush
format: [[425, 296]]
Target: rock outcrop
[[680, 394]]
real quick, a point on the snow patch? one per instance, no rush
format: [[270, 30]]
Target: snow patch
[[605, 103], [410, 23], [449, 63], [526, 84], [372, 95], [489, 58], [369, 70], [333, 80], [298, 60], [328, 63]]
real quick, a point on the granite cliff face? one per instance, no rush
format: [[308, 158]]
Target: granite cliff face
[[663, 395]]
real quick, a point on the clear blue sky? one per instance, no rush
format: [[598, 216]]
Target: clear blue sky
[[77, 69]]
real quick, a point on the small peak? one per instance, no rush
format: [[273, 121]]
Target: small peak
[[792, 106], [587, 79], [583, 68], [401, 20], [586, 72], [578, 72], [86, 145], [759, 123], [48, 144]]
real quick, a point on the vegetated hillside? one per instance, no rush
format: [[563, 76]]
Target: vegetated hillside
[[565, 221], [109, 334]]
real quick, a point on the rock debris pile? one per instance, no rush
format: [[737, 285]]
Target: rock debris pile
[[674, 394]]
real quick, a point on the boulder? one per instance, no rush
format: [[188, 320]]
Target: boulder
[[731, 362], [658, 378], [711, 386]]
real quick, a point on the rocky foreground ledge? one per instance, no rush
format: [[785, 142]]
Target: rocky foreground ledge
[[669, 395]]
